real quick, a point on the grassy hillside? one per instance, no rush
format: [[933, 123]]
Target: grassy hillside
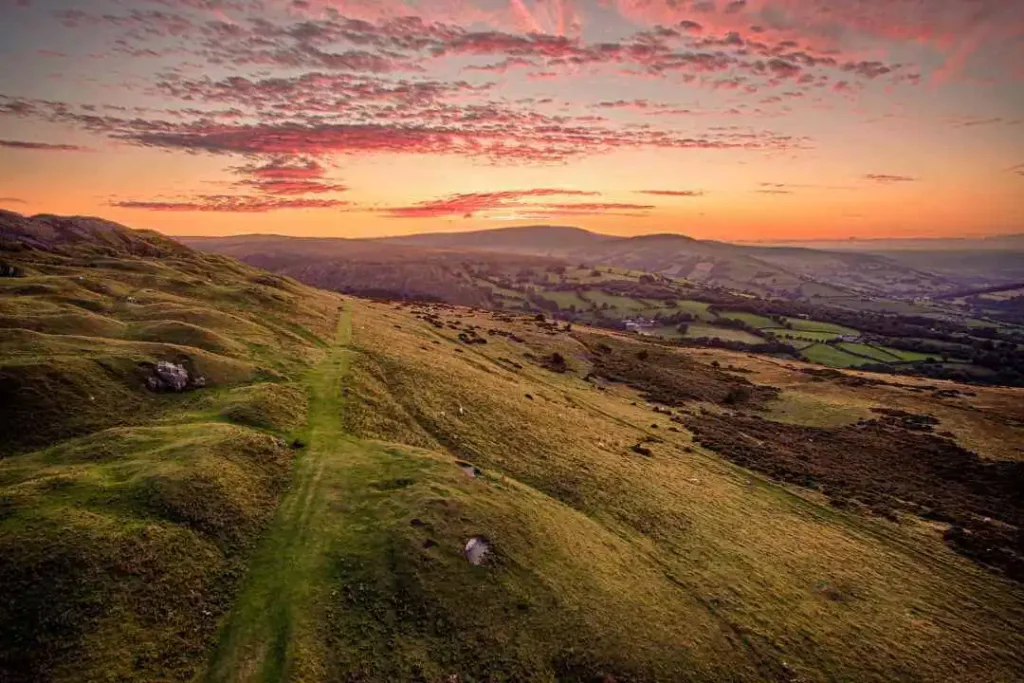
[[622, 548], [373, 268], [126, 514], [649, 512]]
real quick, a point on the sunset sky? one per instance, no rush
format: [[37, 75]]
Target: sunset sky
[[741, 120]]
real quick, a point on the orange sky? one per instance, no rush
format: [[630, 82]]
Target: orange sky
[[757, 120]]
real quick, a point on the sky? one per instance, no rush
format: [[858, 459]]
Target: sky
[[720, 119]]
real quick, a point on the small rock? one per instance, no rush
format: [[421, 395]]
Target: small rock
[[477, 549], [470, 471], [168, 377]]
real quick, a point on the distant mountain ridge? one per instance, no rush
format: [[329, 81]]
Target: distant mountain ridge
[[786, 271], [530, 238]]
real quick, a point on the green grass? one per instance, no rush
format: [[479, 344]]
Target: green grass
[[698, 330], [752, 319], [622, 304], [910, 356], [176, 537], [127, 515], [886, 354], [666, 331], [879, 353], [259, 641], [831, 356], [565, 299], [801, 334], [601, 551], [800, 324], [698, 309]]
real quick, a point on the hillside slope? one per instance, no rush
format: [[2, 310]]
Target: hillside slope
[[621, 548], [371, 268], [479, 496], [783, 271], [146, 391]]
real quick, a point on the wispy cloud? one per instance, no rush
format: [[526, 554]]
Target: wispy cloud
[[467, 204], [672, 193], [886, 179], [42, 146], [231, 204]]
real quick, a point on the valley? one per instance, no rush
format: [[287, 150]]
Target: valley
[[978, 338]]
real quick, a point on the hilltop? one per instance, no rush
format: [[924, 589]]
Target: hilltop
[[363, 490], [840, 276]]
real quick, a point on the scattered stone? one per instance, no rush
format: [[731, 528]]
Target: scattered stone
[[172, 377], [477, 549], [470, 471], [417, 523], [529, 396], [642, 450], [298, 443]]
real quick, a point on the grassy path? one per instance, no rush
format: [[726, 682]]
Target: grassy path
[[263, 637]]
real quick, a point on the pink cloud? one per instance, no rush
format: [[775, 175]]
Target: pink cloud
[[470, 203], [231, 204]]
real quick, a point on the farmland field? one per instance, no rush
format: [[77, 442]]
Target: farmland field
[[831, 356], [699, 330], [818, 326], [807, 335], [752, 319], [881, 354]]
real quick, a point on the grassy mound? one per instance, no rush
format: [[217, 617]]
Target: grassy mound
[[120, 547], [127, 515], [184, 334], [70, 322], [274, 406]]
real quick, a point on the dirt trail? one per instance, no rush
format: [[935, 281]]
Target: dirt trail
[[263, 635]]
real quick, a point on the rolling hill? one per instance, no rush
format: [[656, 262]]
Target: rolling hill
[[372, 267], [846, 278], [364, 490], [792, 272]]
